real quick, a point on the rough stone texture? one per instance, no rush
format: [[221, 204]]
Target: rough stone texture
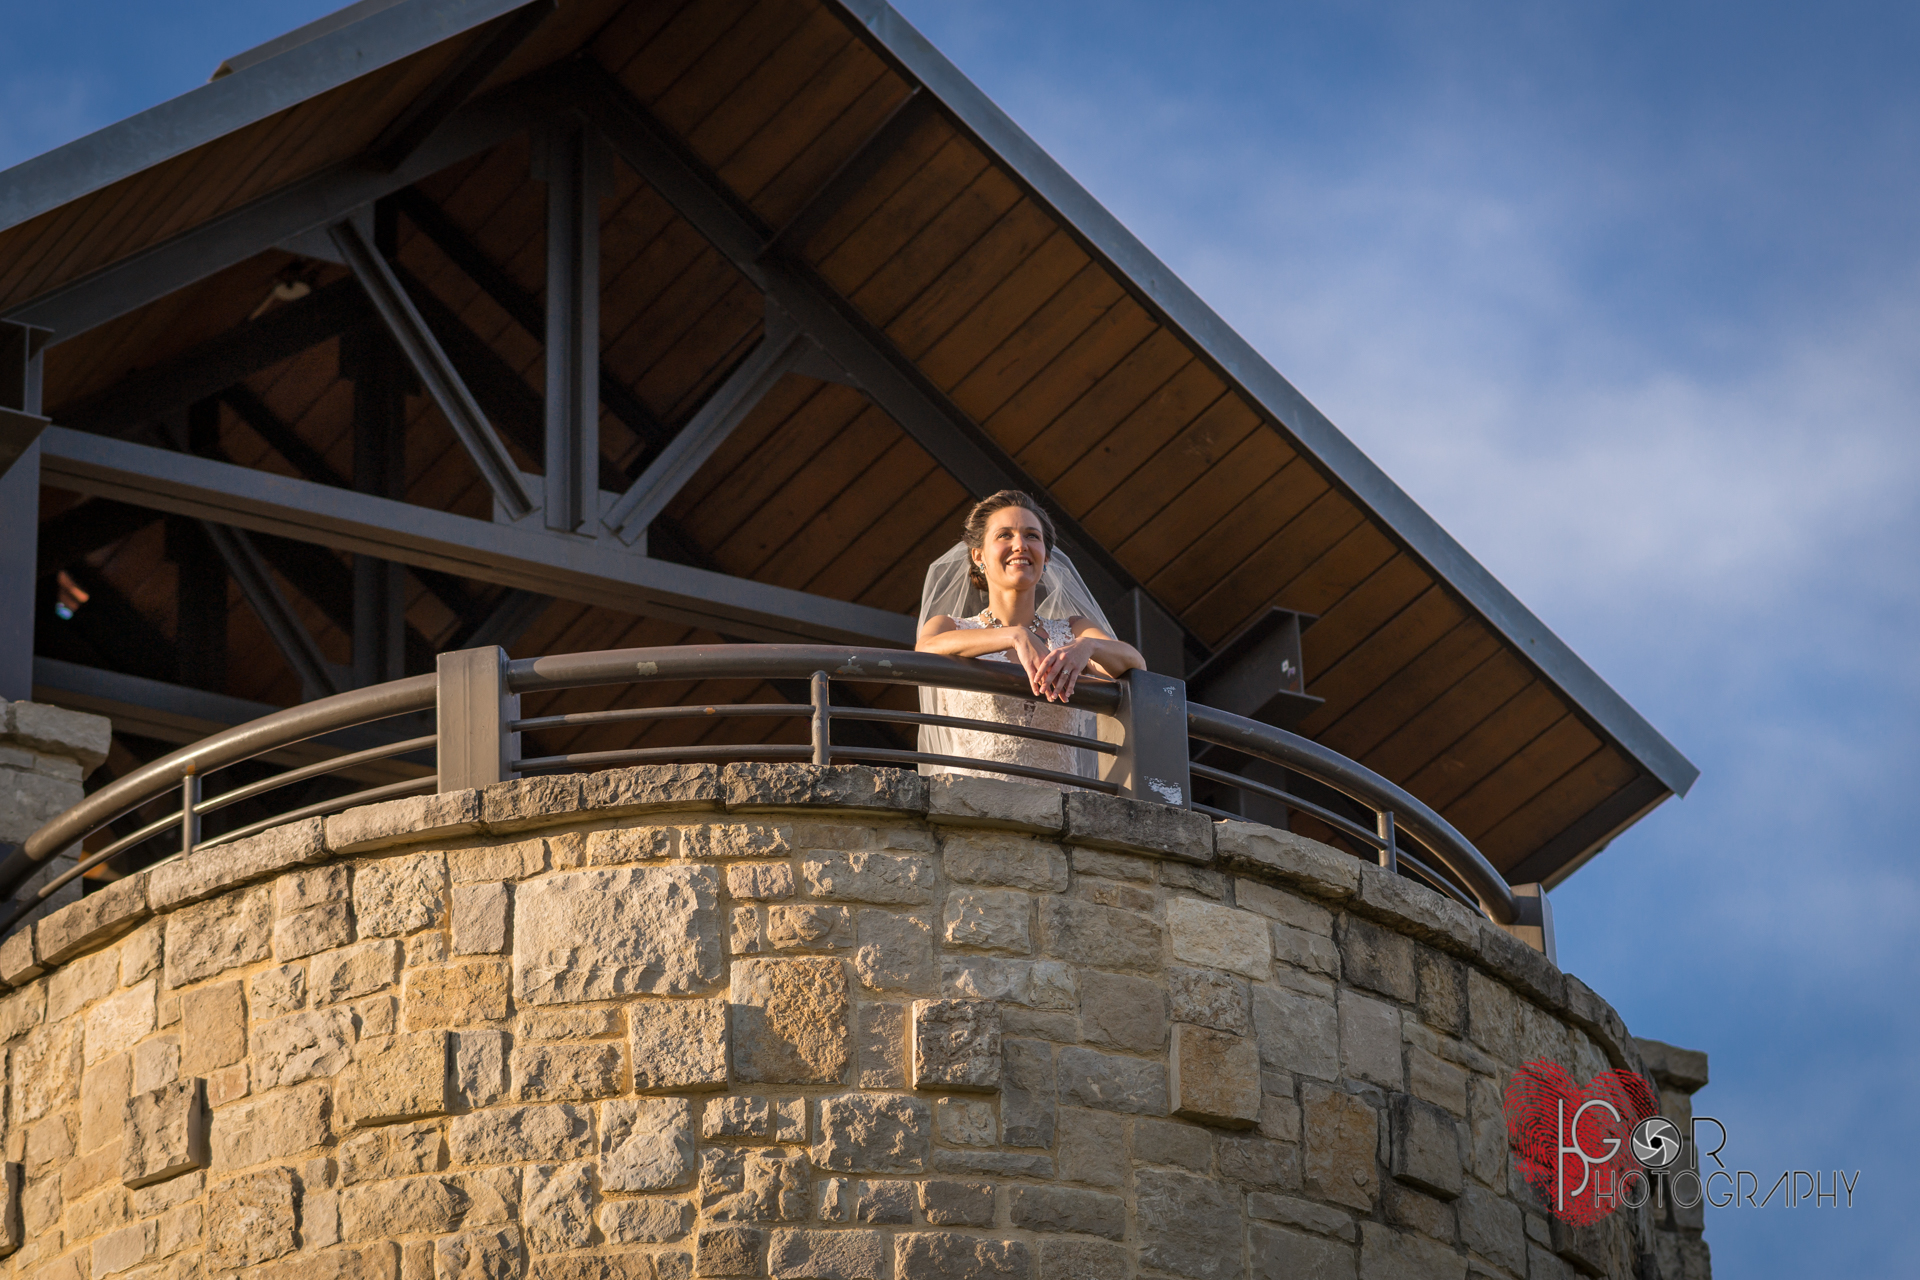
[[164, 1133], [1123, 1012], [749, 786], [873, 1133], [1111, 1082], [1027, 1092], [1342, 1133], [1280, 1254], [996, 858], [94, 921], [479, 1067], [989, 920], [298, 1047], [482, 919], [1370, 1040], [760, 880], [962, 800], [947, 1255], [214, 871], [1216, 937], [1296, 861], [888, 1203], [789, 1021], [513, 1134], [1100, 937], [213, 937], [649, 1221], [1113, 822], [829, 1255], [1386, 1254], [646, 1144], [1377, 958], [882, 878], [399, 1077], [880, 1047], [1214, 1077], [809, 928], [1209, 998], [250, 1219], [1091, 1213], [956, 1044], [1297, 1032], [456, 995], [352, 972], [1426, 1147], [282, 1124], [558, 1072], [678, 1044], [597, 935], [1188, 1225]]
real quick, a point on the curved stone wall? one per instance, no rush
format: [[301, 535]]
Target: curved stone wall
[[780, 1021]]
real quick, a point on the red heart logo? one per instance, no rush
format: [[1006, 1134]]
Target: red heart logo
[[1571, 1143]]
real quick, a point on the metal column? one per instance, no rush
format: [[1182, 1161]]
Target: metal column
[[20, 364], [573, 160], [379, 468]]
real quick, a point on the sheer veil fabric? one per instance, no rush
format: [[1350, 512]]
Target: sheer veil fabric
[[1062, 594]]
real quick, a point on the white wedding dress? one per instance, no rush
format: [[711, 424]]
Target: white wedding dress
[[1034, 713]]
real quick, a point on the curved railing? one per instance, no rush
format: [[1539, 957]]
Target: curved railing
[[1145, 724]]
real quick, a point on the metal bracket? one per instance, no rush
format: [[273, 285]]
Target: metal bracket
[[475, 748], [1150, 728]]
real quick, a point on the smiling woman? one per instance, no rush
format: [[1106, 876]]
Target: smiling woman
[[1007, 594]]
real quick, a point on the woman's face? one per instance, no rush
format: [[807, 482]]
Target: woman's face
[[1015, 551]]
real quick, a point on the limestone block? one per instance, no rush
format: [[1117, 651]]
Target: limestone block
[[730, 1251], [1209, 998], [13, 1230], [989, 920], [809, 928], [1090, 1213], [1280, 1254], [479, 1067], [1442, 984], [1172, 1142], [43, 1071], [50, 730], [492, 863], [896, 951], [164, 1133], [760, 880], [873, 1133], [398, 1077], [1112, 1082], [628, 844], [568, 1072], [678, 1044], [887, 1203], [369, 827], [316, 929], [1426, 1151], [881, 878], [750, 1118], [558, 1212], [1305, 1214], [1122, 1011], [1436, 1080], [278, 991], [1216, 937], [654, 1220], [996, 858], [992, 1164], [570, 1023], [1370, 1040], [1493, 1227], [393, 897], [745, 936], [1376, 958], [512, 1135], [956, 1044], [211, 937], [596, 935], [828, 1255], [80, 983], [1027, 1091], [960, 800], [789, 1021], [1307, 865], [475, 1255], [115, 1024], [282, 1124], [299, 1047], [156, 1062], [646, 1144], [1342, 1135], [880, 1040], [1101, 937], [355, 971], [1386, 1254], [94, 921], [250, 1219], [47, 1143], [457, 995], [754, 1185], [1297, 1032], [943, 1203], [22, 1010], [964, 1122], [1082, 1260], [122, 1250], [840, 786], [736, 840], [1188, 1225], [1215, 1077], [213, 1023], [211, 872], [948, 1253], [405, 1206], [1257, 1162], [18, 962], [394, 1151]]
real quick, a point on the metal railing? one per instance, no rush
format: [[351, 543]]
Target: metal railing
[[1145, 724]]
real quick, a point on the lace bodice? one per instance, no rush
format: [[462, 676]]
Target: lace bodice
[[1029, 712]]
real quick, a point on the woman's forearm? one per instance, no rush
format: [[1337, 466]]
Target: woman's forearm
[[1114, 657], [967, 642]]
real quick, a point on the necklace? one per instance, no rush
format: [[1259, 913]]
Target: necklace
[[1035, 628]]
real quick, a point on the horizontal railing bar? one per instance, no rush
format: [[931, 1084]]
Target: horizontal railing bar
[[317, 770], [93, 860], [769, 751], [1290, 750], [1349, 826], [622, 714], [887, 715], [790, 662], [978, 766], [372, 795], [1212, 812], [1437, 880], [243, 742]]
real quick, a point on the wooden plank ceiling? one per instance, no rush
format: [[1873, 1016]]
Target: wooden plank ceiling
[[1194, 489]]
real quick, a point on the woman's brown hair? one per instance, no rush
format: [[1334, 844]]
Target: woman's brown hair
[[975, 530]]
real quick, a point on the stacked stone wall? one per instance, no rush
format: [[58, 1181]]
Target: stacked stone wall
[[786, 1022]]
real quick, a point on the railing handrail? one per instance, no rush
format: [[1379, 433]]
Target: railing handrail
[[763, 662]]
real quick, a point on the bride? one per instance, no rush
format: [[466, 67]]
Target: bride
[[1004, 593]]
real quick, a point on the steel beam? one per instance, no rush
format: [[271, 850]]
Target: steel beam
[[312, 203], [318, 677], [280, 437], [379, 468], [914, 110], [778, 349], [591, 572], [21, 362], [423, 352], [573, 162], [509, 620], [200, 605], [484, 53]]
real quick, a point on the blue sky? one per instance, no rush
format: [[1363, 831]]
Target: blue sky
[[1628, 296]]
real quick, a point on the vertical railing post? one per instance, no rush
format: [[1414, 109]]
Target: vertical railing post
[[1150, 727], [1534, 924], [1389, 842], [189, 813], [822, 720], [477, 746]]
